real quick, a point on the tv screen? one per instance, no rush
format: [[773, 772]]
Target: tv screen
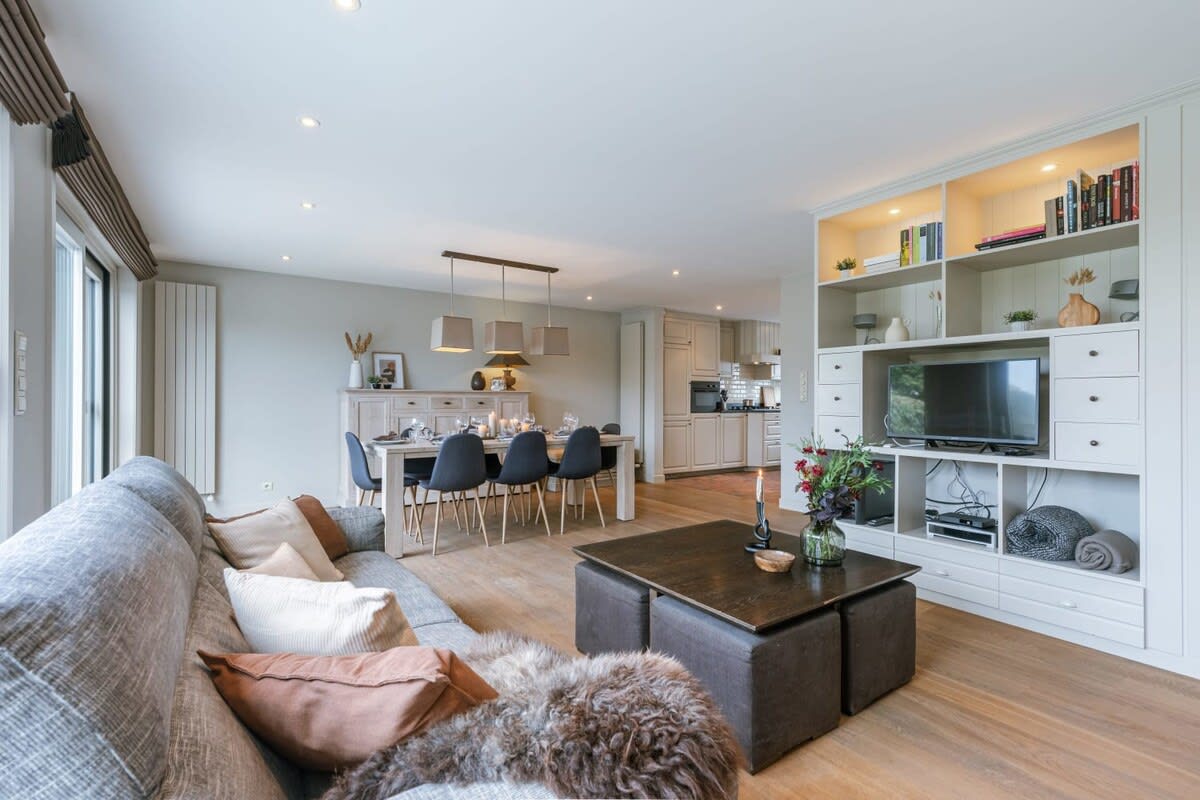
[[968, 401]]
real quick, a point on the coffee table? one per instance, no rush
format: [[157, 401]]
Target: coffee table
[[768, 646]]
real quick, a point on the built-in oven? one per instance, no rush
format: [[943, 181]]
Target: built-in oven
[[706, 396]]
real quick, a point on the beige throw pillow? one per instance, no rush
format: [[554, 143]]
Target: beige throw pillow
[[290, 615], [285, 562], [251, 540]]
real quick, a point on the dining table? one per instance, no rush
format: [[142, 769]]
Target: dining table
[[393, 454]]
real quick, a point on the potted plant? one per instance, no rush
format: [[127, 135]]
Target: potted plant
[[374, 380], [845, 267], [832, 480], [1020, 320]]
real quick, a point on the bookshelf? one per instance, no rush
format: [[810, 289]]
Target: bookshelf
[[1087, 460]]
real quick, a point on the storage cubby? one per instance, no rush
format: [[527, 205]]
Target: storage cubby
[[871, 231]]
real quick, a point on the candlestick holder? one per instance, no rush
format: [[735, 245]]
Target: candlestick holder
[[762, 530]]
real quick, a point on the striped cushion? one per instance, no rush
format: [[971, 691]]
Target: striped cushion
[[291, 615]]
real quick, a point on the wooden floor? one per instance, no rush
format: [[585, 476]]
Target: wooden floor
[[994, 711]]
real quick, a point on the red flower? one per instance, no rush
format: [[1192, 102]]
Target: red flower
[[878, 466], [806, 487], [822, 452], [799, 464], [807, 449], [818, 471]]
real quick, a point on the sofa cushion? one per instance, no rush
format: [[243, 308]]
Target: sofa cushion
[[94, 603], [250, 540], [454, 636], [212, 756], [361, 525], [162, 487], [285, 562], [372, 568], [329, 534]]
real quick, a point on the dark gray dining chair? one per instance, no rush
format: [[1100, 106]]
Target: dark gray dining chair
[[608, 455], [459, 467], [360, 472], [524, 465], [580, 462]]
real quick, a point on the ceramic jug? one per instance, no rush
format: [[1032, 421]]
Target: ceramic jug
[[897, 331]]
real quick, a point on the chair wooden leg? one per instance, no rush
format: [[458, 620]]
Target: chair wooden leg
[[504, 518], [562, 507], [482, 526], [437, 522], [361, 495], [596, 495], [542, 509]]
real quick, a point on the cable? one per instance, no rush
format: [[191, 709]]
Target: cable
[[1036, 497]]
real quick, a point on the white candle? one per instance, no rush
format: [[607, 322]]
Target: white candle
[[758, 488], [491, 421], [483, 430]]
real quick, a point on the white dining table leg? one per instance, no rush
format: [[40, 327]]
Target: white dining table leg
[[393, 502], [625, 491]]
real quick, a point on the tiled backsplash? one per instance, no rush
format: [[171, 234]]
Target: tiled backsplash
[[743, 390]]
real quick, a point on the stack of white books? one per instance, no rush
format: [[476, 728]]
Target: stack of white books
[[882, 263]]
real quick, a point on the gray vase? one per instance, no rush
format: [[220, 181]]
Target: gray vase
[[477, 382]]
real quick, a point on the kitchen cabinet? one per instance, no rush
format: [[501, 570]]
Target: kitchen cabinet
[[677, 445], [763, 434], [706, 441], [677, 331], [677, 393], [733, 440], [706, 349], [728, 349]]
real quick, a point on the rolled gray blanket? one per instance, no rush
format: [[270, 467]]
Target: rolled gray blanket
[[1107, 549]]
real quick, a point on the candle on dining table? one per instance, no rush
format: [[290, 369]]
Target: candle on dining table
[[491, 421], [758, 488], [483, 430], [524, 427]]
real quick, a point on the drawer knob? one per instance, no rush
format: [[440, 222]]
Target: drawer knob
[[942, 572], [1093, 353], [1094, 399], [837, 366], [1068, 604], [1094, 443], [836, 398], [837, 430]]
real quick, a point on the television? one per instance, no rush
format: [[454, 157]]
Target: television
[[993, 402]]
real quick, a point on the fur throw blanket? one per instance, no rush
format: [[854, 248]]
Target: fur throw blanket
[[619, 725]]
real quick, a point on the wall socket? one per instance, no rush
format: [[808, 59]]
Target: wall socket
[[268, 486]]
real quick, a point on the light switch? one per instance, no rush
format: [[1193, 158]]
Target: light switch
[[21, 345]]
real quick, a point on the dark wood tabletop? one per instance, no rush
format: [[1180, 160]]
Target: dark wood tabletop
[[707, 567]]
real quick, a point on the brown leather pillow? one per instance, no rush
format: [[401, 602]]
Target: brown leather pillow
[[328, 532], [328, 712]]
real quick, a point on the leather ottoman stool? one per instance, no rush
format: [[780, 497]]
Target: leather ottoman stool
[[612, 613], [879, 644], [777, 689]]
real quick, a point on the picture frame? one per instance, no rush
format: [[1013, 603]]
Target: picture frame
[[390, 367]]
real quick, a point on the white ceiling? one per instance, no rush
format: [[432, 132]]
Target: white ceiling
[[617, 140]]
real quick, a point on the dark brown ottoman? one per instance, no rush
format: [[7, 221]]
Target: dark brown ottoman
[[879, 644], [777, 690], [612, 612]]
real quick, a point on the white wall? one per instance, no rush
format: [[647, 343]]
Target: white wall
[[281, 361], [798, 348]]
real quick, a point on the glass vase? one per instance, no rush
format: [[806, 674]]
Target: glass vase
[[824, 544]]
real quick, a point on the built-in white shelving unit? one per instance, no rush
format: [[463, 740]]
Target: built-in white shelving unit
[[1091, 458]]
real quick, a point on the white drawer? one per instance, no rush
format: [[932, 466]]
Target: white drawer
[[771, 418], [1089, 354], [911, 547], [839, 368], [772, 430], [484, 404], [839, 398], [947, 570], [834, 431], [869, 536], [1118, 444], [952, 588], [863, 547], [1084, 603], [1124, 591], [1134, 635], [773, 453], [402, 404], [445, 403], [1084, 399]]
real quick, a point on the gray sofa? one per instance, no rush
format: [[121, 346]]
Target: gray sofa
[[103, 603]]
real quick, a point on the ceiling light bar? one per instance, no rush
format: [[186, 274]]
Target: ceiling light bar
[[499, 262], [452, 334]]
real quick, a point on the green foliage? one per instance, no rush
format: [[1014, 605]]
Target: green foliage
[[845, 264], [833, 479], [1023, 315]]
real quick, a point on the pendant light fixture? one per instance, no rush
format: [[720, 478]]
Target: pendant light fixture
[[549, 340], [453, 334], [501, 337]]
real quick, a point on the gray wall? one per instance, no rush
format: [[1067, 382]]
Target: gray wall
[[31, 293], [797, 343], [281, 361]]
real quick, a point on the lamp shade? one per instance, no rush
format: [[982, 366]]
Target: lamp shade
[[453, 335], [549, 340], [507, 361], [501, 337]]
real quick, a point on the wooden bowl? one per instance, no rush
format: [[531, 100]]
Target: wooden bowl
[[774, 560]]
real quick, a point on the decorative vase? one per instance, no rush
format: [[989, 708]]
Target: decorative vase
[[356, 376], [897, 331], [1020, 325], [824, 544], [1078, 312], [845, 273], [477, 382]]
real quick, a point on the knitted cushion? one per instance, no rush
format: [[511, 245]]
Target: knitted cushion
[[1047, 532]]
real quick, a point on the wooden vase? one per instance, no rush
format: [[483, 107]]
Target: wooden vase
[[1078, 312]]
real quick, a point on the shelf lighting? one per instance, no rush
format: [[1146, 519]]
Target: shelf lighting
[[893, 211], [1049, 167]]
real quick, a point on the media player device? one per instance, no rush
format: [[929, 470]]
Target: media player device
[[967, 520]]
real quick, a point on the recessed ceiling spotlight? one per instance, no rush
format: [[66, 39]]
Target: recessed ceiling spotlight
[[719, 308], [893, 211], [307, 206], [674, 272], [286, 258], [589, 298], [310, 122], [347, 5], [1049, 167]]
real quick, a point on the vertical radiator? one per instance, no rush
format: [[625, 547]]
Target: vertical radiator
[[185, 372]]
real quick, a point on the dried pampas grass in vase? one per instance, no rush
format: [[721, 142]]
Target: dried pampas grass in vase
[[358, 346]]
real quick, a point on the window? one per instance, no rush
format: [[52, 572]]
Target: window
[[82, 388]]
